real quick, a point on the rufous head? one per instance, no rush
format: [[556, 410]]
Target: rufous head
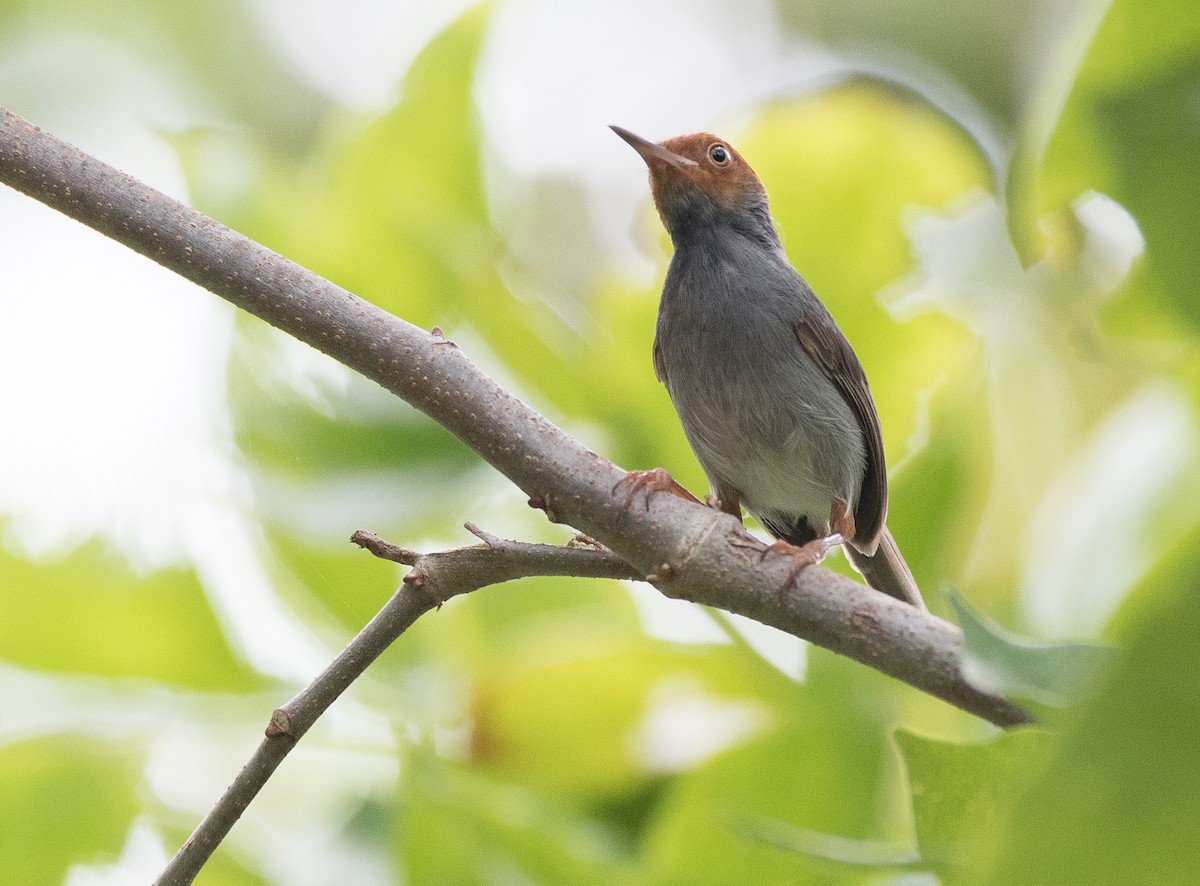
[[700, 180]]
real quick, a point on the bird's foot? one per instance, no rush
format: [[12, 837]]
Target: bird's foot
[[803, 556], [647, 482]]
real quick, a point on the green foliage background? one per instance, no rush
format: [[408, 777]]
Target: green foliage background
[[1017, 361]]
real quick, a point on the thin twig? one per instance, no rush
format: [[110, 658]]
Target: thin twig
[[433, 579], [384, 550]]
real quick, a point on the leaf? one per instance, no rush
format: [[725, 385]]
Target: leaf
[[373, 203], [357, 428], [961, 793], [204, 68], [983, 52], [331, 455], [522, 733], [88, 613], [1119, 800], [348, 581], [999, 661], [458, 826], [66, 800], [826, 770], [829, 847], [1129, 130]]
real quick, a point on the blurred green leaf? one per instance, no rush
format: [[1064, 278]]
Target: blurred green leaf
[[1060, 52], [1119, 801], [231, 75], [825, 768], [961, 794], [977, 43], [950, 461], [89, 613], [393, 210], [66, 800], [360, 429], [497, 633], [999, 661], [349, 582], [508, 621], [396, 211], [460, 827], [1130, 130], [1154, 134], [618, 387], [520, 726], [332, 452], [831, 848]]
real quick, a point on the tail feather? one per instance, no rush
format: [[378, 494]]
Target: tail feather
[[886, 571]]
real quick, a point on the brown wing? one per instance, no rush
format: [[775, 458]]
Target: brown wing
[[828, 348], [660, 368]]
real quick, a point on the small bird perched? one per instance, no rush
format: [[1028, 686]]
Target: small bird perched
[[771, 396]]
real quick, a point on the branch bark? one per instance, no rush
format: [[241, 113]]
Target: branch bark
[[433, 580], [684, 546]]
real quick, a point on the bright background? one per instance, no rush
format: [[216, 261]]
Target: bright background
[[997, 202]]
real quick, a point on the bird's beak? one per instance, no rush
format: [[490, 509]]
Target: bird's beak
[[651, 151]]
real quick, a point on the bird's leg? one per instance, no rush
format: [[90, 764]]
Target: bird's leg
[[805, 555], [727, 499], [654, 480], [841, 521]]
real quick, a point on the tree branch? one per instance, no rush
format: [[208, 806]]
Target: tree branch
[[688, 551], [433, 579], [684, 546]]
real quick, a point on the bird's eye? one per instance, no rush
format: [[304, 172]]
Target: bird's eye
[[718, 154]]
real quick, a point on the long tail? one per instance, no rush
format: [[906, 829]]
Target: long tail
[[886, 571]]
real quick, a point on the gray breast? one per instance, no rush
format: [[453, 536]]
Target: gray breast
[[760, 415]]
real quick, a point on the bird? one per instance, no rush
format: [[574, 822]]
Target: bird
[[771, 396]]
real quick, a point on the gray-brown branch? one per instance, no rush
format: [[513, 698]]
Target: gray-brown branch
[[433, 579], [688, 551], [685, 546]]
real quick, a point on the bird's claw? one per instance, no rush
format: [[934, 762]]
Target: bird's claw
[[647, 482]]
